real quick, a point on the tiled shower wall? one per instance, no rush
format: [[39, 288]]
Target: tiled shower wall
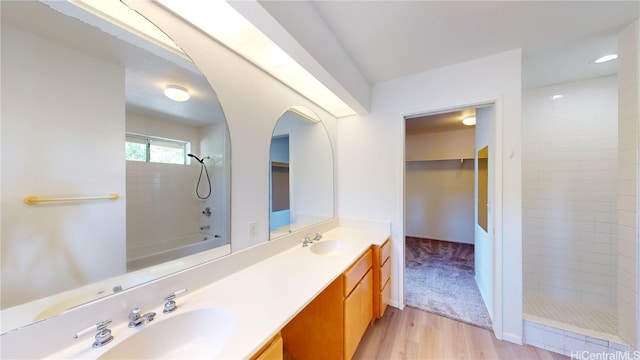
[[570, 149], [161, 200], [628, 214]]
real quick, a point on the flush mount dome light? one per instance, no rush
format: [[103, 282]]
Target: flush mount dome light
[[606, 58], [177, 93], [469, 121]]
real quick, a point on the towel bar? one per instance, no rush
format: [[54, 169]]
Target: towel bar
[[31, 200]]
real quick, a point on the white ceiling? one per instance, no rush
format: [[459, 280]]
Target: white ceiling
[[391, 39], [385, 40], [366, 42]]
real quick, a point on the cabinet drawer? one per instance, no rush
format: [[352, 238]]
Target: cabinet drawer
[[385, 251], [353, 275], [385, 272], [384, 298]]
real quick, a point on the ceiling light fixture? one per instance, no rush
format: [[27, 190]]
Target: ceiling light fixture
[[557, 96], [606, 58], [469, 121], [177, 93]]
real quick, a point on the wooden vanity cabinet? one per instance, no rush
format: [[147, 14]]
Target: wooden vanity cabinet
[[271, 350], [381, 278], [358, 302], [333, 324]]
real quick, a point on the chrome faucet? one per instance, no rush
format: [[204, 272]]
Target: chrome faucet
[[103, 335], [306, 241], [136, 319], [170, 303]]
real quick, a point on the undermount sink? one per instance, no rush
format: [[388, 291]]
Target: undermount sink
[[330, 247], [195, 334]]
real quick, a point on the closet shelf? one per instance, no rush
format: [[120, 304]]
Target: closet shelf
[[443, 159]]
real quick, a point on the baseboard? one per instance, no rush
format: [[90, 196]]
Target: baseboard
[[513, 338], [395, 304]]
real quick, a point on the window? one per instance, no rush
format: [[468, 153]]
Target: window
[[154, 149]]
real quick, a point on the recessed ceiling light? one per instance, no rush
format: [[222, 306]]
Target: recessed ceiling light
[[557, 96], [469, 121], [606, 58], [177, 93]]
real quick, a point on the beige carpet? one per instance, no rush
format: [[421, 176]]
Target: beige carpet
[[439, 278]]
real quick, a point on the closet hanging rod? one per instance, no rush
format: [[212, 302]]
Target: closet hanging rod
[[31, 200]]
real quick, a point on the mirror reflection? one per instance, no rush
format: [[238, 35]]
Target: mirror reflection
[[301, 175], [84, 116]]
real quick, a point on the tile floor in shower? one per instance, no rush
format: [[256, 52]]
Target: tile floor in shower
[[591, 320]]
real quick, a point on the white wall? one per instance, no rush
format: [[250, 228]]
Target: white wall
[[629, 184], [371, 166], [438, 187], [439, 200], [75, 243], [311, 174], [570, 148], [457, 144]]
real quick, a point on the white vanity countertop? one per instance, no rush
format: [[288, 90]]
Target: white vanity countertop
[[263, 297]]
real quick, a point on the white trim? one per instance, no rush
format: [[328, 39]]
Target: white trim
[[403, 213], [513, 338], [497, 209]]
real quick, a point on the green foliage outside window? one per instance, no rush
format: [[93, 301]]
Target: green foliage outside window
[[153, 149]]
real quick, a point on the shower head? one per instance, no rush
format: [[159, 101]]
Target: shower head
[[195, 157]]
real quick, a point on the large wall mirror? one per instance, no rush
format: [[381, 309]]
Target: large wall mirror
[[301, 176], [84, 117]]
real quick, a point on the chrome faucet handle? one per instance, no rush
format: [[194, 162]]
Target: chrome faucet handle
[[170, 304], [317, 237], [103, 335], [136, 319], [306, 241], [149, 316]]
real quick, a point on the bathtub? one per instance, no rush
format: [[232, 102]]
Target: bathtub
[[160, 252]]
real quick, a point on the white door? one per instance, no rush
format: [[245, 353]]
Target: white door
[[484, 245]]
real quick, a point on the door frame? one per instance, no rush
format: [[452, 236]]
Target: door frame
[[495, 143]]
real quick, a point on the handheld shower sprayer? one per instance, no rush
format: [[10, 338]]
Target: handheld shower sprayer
[[197, 158], [203, 166]]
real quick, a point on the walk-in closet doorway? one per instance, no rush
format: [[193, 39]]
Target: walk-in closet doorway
[[447, 213]]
